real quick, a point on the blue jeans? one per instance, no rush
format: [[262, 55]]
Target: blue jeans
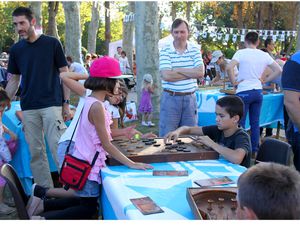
[[252, 100], [176, 111], [294, 140]]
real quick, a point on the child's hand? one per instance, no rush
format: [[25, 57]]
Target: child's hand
[[262, 80], [140, 166], [206, 141], [13, 136], [171, 136], [131, 131], [149, 135], [66, 112], [236, 83]]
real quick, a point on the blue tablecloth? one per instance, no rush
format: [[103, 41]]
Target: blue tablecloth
[[120, 184], [21, 160], [271, 111]]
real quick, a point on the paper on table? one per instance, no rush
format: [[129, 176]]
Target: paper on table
[[146, 205], [170, 173], [214, 181]]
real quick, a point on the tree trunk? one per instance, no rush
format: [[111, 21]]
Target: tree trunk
[[107, 26], [270, 16], [93, 27], [247, 15], [73, 30], [36, 7], [52, 26], [173, 10], [240, 15], [188, 11], [128, 29], [240, 21], [258, 15], [298, 29], [159, 25], [146, 39], [295, 19]]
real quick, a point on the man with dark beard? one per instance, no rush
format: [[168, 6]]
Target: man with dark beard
[[39, 59]]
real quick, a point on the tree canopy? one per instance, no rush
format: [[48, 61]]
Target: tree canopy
[[243, 15]]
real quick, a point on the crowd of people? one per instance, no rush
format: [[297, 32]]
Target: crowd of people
[[45, 103]]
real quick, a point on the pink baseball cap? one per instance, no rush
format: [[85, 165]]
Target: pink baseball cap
[[106, 67]]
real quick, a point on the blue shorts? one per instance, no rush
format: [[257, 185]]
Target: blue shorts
[[90, 189]]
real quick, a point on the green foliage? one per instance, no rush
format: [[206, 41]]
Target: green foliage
[[85, 15], [229, 52], [7, 34], [222, 13], [225, 14], [165, 33], [116, 28], [84, 37]]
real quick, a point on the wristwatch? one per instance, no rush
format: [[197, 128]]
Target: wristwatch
[[66, 101]]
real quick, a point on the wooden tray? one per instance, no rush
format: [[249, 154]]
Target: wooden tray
[[223, 206], [140, 152], [229, 92]]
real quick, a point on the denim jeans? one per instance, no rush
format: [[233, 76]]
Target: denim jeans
[[252, 100], [294, 140], [176, 111]]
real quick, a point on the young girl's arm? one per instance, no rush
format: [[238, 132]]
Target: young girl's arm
[[97, 118], [70, 79], [115, 123], [233, 155], [11, 134], [151, 88], [129, 133], [184, 130]]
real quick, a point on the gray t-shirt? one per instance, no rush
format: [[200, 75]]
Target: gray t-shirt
[[240, 139]]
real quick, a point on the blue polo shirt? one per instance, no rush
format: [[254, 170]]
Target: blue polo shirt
[[291, 75], [39, 64]]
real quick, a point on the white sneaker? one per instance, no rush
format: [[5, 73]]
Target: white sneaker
[[5, 209], [144, 124], [32, 206], [150, 124]]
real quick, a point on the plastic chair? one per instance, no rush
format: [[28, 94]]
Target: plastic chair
[[17, 190], [274, 150]]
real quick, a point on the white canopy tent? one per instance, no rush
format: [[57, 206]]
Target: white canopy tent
[[113, 45]]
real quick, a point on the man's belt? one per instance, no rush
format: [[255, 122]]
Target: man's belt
[[174, 93]]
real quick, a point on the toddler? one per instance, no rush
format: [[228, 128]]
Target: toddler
[[145, 107]]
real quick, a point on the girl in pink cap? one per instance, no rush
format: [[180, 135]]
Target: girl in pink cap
[[94, 132]]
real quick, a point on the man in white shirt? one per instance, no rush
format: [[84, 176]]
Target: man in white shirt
[[75, 66], [118, 54], [180, 65]]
